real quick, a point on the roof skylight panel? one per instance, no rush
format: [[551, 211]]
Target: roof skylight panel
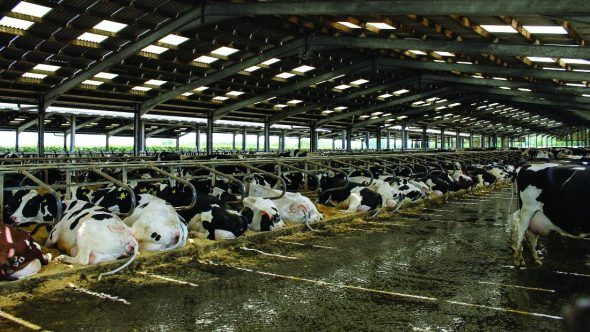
[[546, 29], [16, 23], [294, 102], [43, 67], [285, 75], [400, 92], [381, 25], [224, 51], [498, 28], [303, 69], [92, 82], [385, 96], [105, 75], [220, 98], [141, 88], [34, 75], [31, 9], [342, 87], [575, 61], [349, 25], [251, 69], [155, 49], [205, 59], [173, 40], [110, 26], [540, 59], [234, 93], [201, 88], [340, 108], [155, 82], [444, 53], [270, 61], [359, 82], [92, 37], [188, 94], [417, 52]]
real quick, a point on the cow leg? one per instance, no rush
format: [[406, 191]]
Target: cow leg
[[354, 201], [522, 225], [531, 240]]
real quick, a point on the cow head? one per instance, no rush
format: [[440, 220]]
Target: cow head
[[156, 225], [34, 208], [301, 209], [266, 215]]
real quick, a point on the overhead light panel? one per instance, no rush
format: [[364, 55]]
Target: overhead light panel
[[220, 98], [327, 111], [349, 25], [92, 37], [173, 40], [188, 94], [225, 51], [340, 108], [342, 87], [31, 9], [498, 28], [234, 93], [465, 62], [524, 89], [155, 49], [381, 25], [385, 96], [43, 67], [155, 82], [285, 75], [110, 26], [540, 59], [16, 23], [205, 59], [270, 61], [303, 69], [417, 52], [554, 68], [201, 88], [546, 29], [294, 102], [280, 106], [500, 78], [107, 76]]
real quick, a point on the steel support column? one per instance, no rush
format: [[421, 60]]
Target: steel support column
[[16, 142], [378, 138], [244, 135], [177, 142], [457, 140], [424, 139], [482, 142], [72, 134], [209, 134], [257, 142], [404, 135], [233, 141], [282, 141], [299, 142], [266, 135], [442, 139], [471, 140], [367, 139], [313, 137], [41, 127], [106, 143], [137, 132], [349, 138], [343, 138], [198, 139], [388, 143]]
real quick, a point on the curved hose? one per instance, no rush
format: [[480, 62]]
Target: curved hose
[[135, 252]]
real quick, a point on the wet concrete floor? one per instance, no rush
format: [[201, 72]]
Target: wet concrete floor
[[445, 268]]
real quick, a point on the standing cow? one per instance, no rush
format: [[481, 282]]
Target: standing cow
[[554, 198]]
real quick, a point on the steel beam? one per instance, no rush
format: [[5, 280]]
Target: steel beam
[[442, 139], [266, 136], [120, 129], [401, 7], [72, 134], [137, 132], [156, 131], [313, 137], [424, 139], [345, 98], [195, 14], [452, 46], [244, 135], [492, 70], [84, 124], [404, 134], [395, 102], [349, 138], [197, 139], [16, 142], [378, 137], [534, 97], [355, 68]]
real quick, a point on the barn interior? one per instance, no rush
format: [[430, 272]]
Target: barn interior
[[302, 86]]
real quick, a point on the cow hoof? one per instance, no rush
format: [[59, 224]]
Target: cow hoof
[[61, 259], [538, 261]]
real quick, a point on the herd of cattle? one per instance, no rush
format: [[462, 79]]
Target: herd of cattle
[[95, 225]]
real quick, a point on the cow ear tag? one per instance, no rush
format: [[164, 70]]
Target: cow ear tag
[[123, 195]]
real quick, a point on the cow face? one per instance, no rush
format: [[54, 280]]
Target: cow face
[[155, 224], [301, 209], [29, 209], [266, 215]]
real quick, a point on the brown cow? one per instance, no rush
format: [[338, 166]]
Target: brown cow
[[18, 253]]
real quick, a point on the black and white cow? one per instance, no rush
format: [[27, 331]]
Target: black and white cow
[[553, 198], [354, 197], [213, 221], [87, 233]]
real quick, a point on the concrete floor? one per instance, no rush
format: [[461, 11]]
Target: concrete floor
[[445, 268]]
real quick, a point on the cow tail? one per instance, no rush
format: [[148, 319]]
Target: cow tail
[[135, 252], [308, 225]]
